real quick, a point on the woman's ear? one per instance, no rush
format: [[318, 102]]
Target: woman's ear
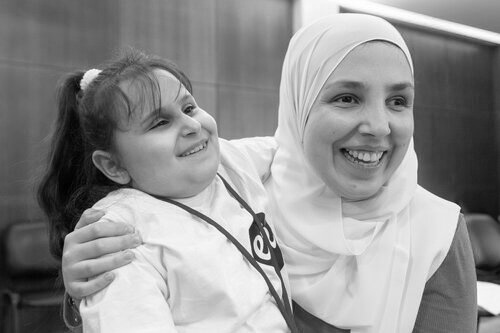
[[110, 167]]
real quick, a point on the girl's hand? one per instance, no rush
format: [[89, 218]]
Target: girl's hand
[[92, 250]]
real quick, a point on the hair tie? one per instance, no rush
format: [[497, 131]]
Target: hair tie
[[88, 77]]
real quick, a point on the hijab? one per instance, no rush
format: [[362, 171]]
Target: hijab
[[351, 263]]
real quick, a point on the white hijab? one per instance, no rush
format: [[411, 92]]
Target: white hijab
[[343, 256]]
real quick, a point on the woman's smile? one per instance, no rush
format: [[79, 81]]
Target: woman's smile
[[363, 158]]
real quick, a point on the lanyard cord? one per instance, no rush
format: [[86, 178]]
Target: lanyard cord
[[261, 225], [283, 306]]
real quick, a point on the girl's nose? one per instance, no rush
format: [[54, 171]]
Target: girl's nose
[[190, 125], [375, 122]]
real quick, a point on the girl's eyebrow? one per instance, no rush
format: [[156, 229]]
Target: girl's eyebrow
[[154, 113]]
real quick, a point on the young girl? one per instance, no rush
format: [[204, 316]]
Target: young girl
[[131, 141]]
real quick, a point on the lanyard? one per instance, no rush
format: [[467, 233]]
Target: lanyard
[[283, 304]]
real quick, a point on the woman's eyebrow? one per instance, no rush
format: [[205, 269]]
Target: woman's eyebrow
[[346, 84], [401, 86]]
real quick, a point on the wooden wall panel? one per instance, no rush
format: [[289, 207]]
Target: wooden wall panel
[[181, 30], [496, 110], [57, 33], [454, 119], [27, 95], [230, 49], [252, 37], [246, 112], [251, 48]]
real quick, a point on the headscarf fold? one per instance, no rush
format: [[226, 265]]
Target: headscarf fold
[[348, 261]]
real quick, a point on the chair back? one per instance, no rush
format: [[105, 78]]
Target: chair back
[[27, 261], [484, 233]]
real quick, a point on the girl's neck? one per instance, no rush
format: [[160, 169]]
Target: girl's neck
[[201, 198]]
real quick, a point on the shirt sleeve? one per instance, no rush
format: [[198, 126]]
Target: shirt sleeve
[[449, 302], [260, 151], [306, 322], [136, 301]]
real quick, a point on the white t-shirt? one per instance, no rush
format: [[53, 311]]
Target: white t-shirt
[[187, 276]]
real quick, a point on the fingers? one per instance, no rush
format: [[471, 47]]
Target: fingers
[[89, 216], [85, 278], [103, 228], [81, 289], [94, 267], [100, 247]]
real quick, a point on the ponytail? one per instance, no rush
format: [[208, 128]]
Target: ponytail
[[64, 177]]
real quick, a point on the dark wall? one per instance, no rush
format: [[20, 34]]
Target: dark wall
[[455, 131], [231, 49]]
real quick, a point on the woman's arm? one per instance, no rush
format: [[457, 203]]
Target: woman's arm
[[449, 302], [93, 250], [260, 151]]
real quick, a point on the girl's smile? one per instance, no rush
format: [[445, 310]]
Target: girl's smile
[[195, 149]]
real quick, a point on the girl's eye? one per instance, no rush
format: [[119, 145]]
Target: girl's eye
[[189, 109], [161, 122]]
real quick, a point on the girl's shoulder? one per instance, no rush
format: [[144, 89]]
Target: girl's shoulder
[[135, 207]]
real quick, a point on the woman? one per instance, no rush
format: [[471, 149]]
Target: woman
[[367, 249]]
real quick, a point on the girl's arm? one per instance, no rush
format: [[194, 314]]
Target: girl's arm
[[449, 302], [136, 301], [260, 151]]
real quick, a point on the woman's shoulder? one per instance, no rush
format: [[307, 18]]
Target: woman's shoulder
[[434, 225], [425, 198], [432, 211]]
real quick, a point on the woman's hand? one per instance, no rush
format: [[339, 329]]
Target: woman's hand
[[92, 250]]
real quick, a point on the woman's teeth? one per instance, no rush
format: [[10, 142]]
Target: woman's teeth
[[195, 149], [364, 157]]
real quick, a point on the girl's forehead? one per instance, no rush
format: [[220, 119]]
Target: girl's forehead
[[158, 85]]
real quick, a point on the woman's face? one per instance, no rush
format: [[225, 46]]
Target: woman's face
[[361, 123]]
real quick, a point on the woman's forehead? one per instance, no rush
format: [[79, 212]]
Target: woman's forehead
[[383, 60]]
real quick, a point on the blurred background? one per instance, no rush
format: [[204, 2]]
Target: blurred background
[[233, 51]]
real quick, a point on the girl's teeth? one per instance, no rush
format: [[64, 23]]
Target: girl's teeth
[[196, 149]]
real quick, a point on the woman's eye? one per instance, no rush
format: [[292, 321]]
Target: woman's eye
[[345, 99], [159, 123], [398, 102]]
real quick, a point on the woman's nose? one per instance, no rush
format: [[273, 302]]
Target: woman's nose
[[375, 122], [190, 125]]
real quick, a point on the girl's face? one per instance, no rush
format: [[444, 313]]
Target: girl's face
[[361, 123], [172, 152]]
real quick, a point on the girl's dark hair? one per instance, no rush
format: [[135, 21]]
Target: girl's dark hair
[[85, 123]]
